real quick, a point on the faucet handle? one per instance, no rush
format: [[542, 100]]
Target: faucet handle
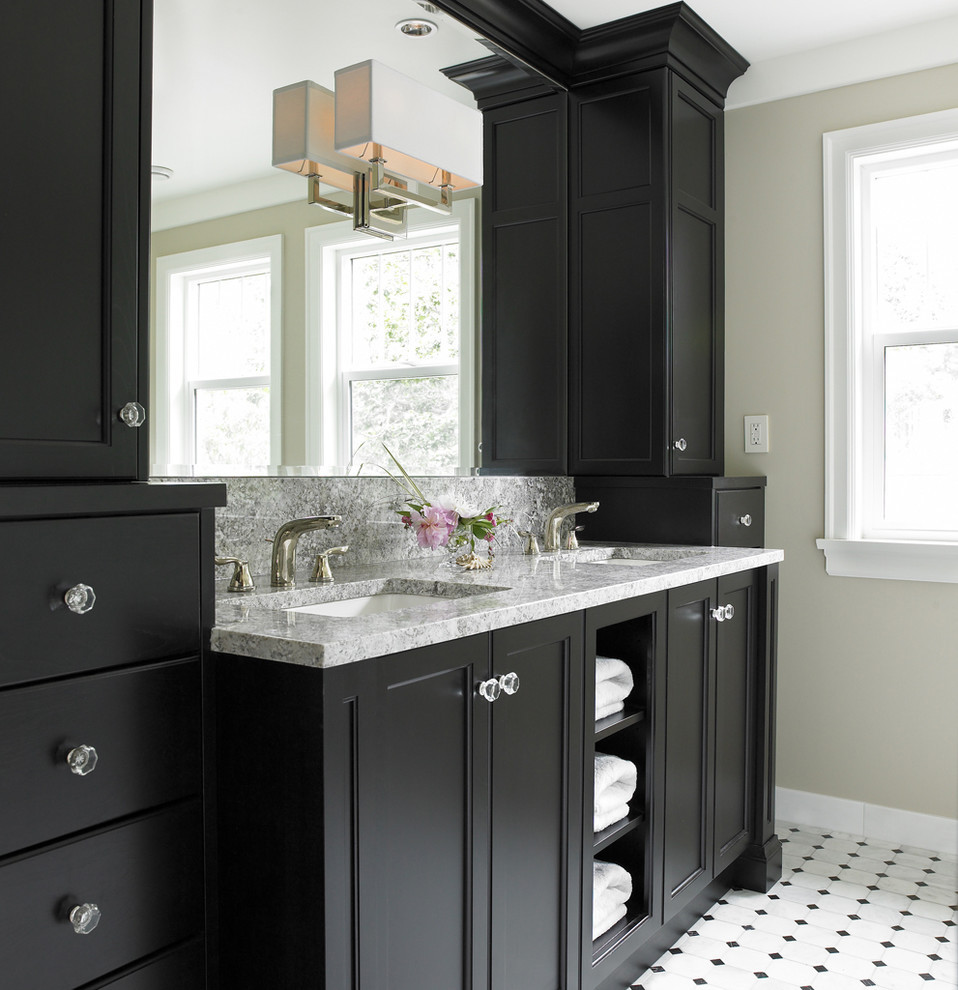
[[321, 571], [571, 542], [241, 579], [532, 545]]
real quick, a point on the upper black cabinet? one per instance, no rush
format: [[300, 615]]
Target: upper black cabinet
[[74, 99], [613, 336]]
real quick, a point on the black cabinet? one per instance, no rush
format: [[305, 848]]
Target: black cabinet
[[646, 297], [708, 699], [102, 755], [74, 78], [708, 511], [425, 835]]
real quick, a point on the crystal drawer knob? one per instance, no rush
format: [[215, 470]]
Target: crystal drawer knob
[[680, 444], [84, 918], [80, 599], [509, 683], [490, 689], [82, 760], [133, 414], [729, 611], [746, 520], [719, 613]]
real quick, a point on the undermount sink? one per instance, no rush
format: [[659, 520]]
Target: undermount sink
[[646, 556], [368, 604], [370, 597]]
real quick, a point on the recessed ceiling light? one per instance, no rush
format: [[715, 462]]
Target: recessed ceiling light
[[161, 173], [429, 8], [414, 27]]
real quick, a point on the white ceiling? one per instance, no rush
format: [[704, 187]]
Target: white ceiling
[[764, 29], [216, 64]]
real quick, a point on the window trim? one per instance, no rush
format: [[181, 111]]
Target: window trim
[[325, 434], [172, 442], [847, 554]]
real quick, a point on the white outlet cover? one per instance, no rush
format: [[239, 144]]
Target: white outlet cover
[[756, 434]]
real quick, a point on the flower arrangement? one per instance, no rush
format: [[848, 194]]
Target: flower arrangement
[[444, 522]]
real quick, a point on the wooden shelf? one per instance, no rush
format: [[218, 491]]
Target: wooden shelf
[[625, 926], [613, 833], [618, 721]]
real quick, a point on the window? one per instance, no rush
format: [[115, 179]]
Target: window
[[218, 323], [891, 244], [390, 342]]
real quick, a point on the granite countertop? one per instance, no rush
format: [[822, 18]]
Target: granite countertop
[[516, 589]]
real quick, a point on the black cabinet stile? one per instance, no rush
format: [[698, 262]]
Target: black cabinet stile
[[73, 283]]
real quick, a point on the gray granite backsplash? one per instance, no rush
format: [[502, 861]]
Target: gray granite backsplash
[[257, 507]]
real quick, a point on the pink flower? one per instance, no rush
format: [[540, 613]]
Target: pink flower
[[433, 526]]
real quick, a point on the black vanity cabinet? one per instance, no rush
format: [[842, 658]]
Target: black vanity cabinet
[[106, 607], [384, 825], [75, 97]]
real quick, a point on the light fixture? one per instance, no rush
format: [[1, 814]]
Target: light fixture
[[391, 141], [161, 173], [414, 27]]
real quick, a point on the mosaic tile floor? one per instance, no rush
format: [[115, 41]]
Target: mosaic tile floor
[[847, 914]]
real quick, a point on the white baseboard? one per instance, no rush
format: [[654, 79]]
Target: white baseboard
[[873, 821]]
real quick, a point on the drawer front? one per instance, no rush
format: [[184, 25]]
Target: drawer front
[[734, 506], [146, 878], [144, 725], [144, 572], [182, 969]]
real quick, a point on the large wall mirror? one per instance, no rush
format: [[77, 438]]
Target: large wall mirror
[[281, 338]]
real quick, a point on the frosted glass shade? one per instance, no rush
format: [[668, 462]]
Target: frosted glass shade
[[303, 133], [421, 132]]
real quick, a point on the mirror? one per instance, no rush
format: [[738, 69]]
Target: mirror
[[236, 247]]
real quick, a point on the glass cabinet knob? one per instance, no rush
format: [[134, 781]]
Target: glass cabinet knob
[[719, 613], [80, 599], [82, 760], [729, 611], [133, 414], [680, 444], [490, 689], [84, 918], [509, 682], [745, 520]]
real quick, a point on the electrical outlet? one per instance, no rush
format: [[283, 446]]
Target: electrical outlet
[[756, 434]]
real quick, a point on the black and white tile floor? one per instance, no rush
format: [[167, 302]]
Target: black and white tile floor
[[847, 914]]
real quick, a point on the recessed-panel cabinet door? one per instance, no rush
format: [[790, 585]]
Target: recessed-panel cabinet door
[[734, 701], [423, 769], [687, 756], [73, 274], [536, 799]]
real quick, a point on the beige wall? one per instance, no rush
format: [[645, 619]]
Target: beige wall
[[868, 689]]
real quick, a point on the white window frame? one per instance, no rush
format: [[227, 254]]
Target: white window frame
[[173, 426], [850, 399], [327, 436]]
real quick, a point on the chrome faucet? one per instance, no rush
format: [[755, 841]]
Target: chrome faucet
[[550, 538], [283, 564]]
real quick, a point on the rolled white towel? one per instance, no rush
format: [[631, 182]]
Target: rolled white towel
[[613, 786], [611, 888], [613, 684]]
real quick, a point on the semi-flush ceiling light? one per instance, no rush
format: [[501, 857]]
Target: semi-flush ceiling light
[[390, 140]]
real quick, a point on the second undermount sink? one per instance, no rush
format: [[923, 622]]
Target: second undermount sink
[[647, 556], [367, 604]]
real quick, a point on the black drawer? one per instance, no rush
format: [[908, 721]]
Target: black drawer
[[182, 969], [144, 725], [144, 571], [146, 879], [740, 517]]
